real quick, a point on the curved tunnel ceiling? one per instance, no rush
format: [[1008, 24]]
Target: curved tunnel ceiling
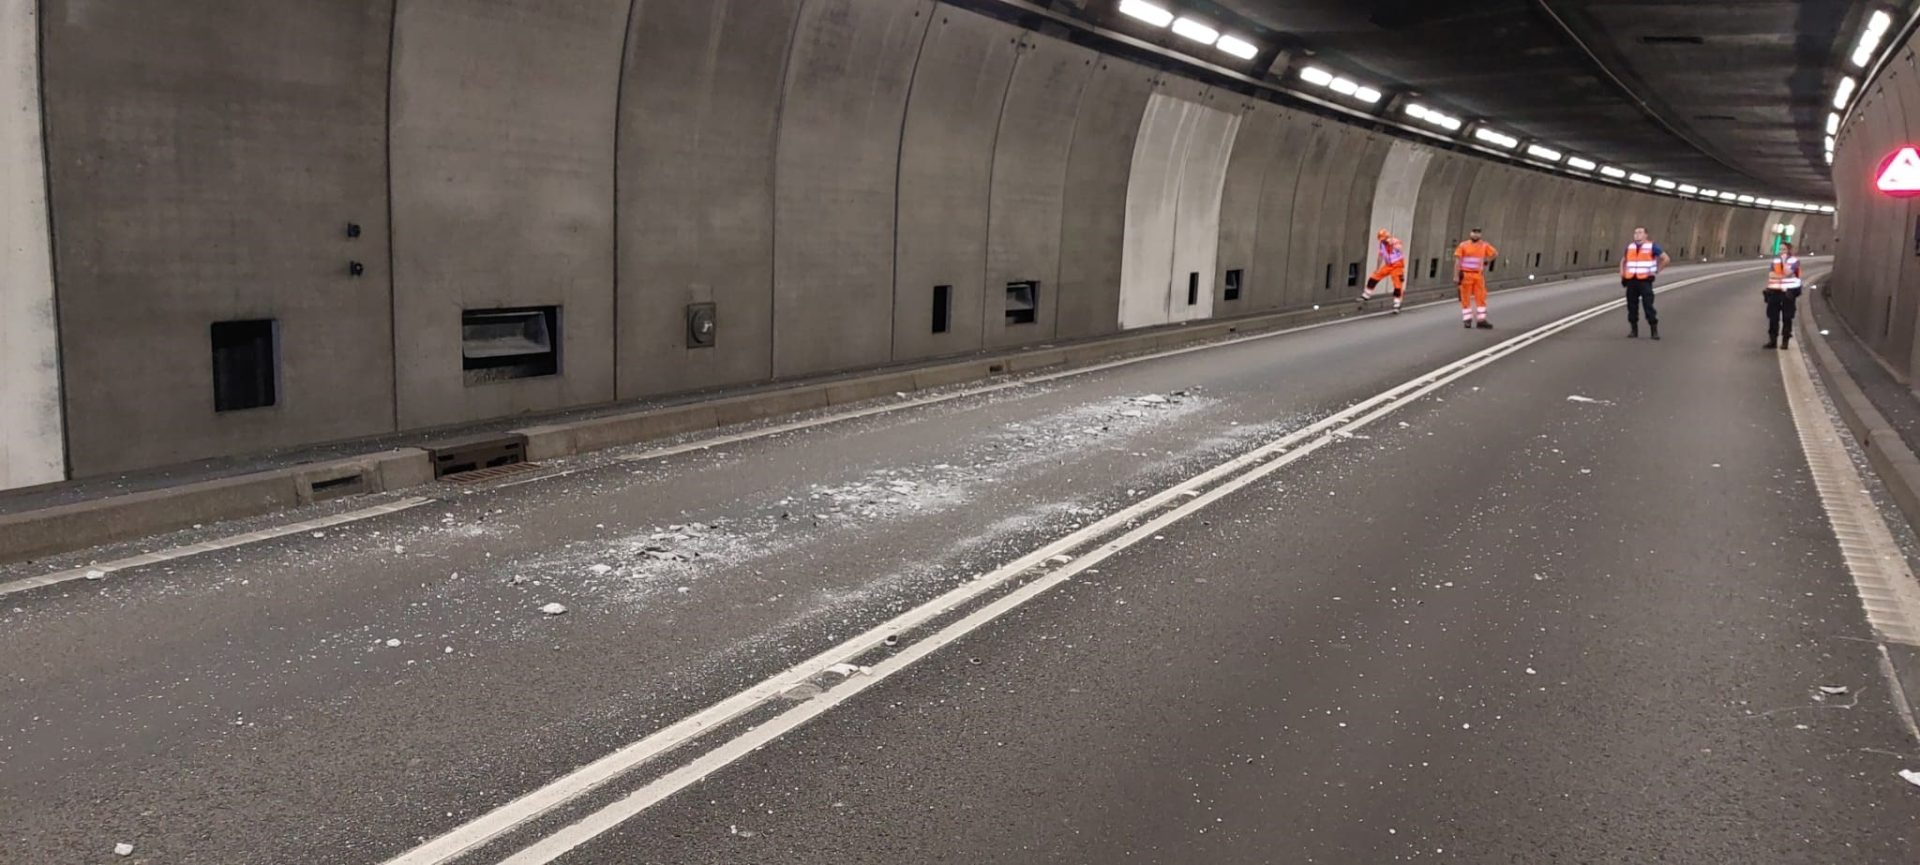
[[1731, 95]]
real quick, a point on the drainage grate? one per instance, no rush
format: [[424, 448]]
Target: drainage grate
[[481, 476]]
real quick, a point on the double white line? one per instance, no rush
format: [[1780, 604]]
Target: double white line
[[1061, 560]]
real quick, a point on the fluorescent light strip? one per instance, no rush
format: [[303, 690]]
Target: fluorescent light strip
[[1492, 137], [1826, 208], [1844, 94], [1141, 10], [1237, 47], [1763, 202], [1833, 124], [1198, 31]]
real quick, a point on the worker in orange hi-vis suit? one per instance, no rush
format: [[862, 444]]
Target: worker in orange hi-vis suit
[[1393, 264], [1470, 262]]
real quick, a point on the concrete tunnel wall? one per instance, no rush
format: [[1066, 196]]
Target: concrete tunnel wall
[[1875, 286], [814, 168]]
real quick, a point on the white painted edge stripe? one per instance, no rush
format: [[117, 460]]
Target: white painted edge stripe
[[796, 426], [490, 826], [1886, 586], [225, 543]]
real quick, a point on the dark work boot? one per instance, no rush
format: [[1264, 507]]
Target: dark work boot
[[1784, 339], [1633, 330], [1654, 329], [1772, 343]]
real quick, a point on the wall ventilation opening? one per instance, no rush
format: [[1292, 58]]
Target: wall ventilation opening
[[503, 344], [1328, 284], [1193, 289], [1433, 269], [1606, 255], [246, 364], [1353, 274], [1234, 280], [1673, 39], [1023, 302], [942, 308], [1576, 256], [1536, 259]]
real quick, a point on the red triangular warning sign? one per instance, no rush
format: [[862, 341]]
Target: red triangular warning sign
[[1900, 173]]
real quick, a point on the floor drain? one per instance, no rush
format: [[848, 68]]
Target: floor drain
[[481, 476]]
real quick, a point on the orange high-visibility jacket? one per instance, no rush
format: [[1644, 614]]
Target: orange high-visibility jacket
[[1642, 261], [1473, 257]]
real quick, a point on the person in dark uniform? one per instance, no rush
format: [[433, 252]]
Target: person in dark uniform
[[1783, 297], [1642, 262]]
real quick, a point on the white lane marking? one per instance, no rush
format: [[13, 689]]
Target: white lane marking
[[1886, 586], [490, 826], [226, 543], [796, 426]]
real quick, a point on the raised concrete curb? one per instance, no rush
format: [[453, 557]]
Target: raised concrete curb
[[31, 534], [80, 525]]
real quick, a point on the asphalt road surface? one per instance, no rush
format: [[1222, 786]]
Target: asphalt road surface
[[1569, 602]]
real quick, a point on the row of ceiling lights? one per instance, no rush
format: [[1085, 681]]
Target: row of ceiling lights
[[1206, 34], [1863, 51]]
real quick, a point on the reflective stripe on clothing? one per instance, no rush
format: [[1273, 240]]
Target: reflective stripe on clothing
[[1642, 261], [1785, 274], [1391, 251], [1473, 256]]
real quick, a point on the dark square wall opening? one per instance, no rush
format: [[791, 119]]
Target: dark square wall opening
[[505, 344], [1023, 302], [246, 364]]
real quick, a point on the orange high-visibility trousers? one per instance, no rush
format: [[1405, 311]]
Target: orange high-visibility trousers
[[1473, 295], [1397, 271]]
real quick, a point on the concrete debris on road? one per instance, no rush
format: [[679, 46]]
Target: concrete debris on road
[[1911, 776], [1587, 399], [96, 575], [1833, 690], [555, 609], [123, 849], [393, 644]]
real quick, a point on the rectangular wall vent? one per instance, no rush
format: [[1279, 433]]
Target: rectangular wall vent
[[1023, 302], [504, 344], [1673, 39], [246, 364]]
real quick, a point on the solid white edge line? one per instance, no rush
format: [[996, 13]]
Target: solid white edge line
[[225, 543], [510, 816]]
